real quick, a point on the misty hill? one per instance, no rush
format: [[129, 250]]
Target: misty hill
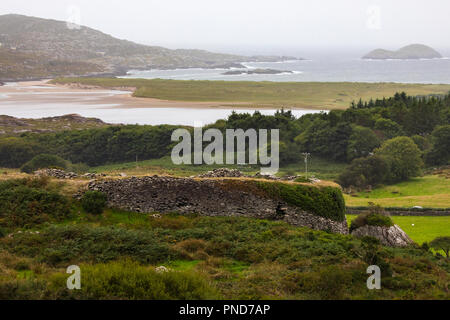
[[51, 40], [413, 51]]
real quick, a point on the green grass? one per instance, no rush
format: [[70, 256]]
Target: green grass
[[429, 191], [319, 168], [183, 265], [166, 166], [233, 258], [420, 229], [316, 95]]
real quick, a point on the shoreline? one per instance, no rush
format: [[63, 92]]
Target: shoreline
[[115, 98]]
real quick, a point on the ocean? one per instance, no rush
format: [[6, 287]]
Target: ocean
[[322, 69]]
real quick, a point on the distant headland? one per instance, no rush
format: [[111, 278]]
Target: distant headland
[[411, 52]]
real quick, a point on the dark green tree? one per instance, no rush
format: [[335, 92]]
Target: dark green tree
[[403, 156]]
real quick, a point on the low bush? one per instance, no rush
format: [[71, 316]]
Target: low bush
[[93, 202], [379, 220], [130, 280], [44, 161], [2, 233], [441, 243], [60, 245], [375, 217], [26, 202], [363, 172]]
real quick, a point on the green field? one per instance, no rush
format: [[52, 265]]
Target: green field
[[428, 191], [316, 95], [421, 229]]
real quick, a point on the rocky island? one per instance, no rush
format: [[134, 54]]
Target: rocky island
[[411, 52], [255, 71]]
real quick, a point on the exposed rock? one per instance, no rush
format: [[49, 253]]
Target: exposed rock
[[414, 51], [61, 174], [234, 173], [392, 237], [222, 173], [92, 175], [266, 176], [208, 197], [56, 173], [162, 269], [9, 121]]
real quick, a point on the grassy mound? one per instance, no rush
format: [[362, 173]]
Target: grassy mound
[[326, 202], [376, 216]]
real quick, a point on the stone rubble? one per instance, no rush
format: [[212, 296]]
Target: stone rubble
[[222, 173], [234, 173], [61, 174]]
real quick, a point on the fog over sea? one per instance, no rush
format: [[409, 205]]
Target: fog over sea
[[324, 69]]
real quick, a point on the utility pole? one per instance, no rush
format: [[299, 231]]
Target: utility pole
[[306, 155]]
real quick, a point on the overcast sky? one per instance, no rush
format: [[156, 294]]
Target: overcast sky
[[235, 24]]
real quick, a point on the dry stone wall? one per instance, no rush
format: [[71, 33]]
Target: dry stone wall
[[210, 197]]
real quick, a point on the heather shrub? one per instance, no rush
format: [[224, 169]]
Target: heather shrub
[[26, 202], [94, 202], [376, 216]]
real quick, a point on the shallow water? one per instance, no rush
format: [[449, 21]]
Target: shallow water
[[28, 104], [110, 114]]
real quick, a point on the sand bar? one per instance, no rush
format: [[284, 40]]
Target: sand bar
[[41, 92]]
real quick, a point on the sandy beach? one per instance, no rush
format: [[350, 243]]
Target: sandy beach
[[42, 92], [39, 99]]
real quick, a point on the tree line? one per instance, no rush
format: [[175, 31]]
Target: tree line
[[395, 136]]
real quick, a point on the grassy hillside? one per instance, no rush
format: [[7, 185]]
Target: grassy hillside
[[19, 65], [53, 40], [215, 257], [316, 95], [11, 126]]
